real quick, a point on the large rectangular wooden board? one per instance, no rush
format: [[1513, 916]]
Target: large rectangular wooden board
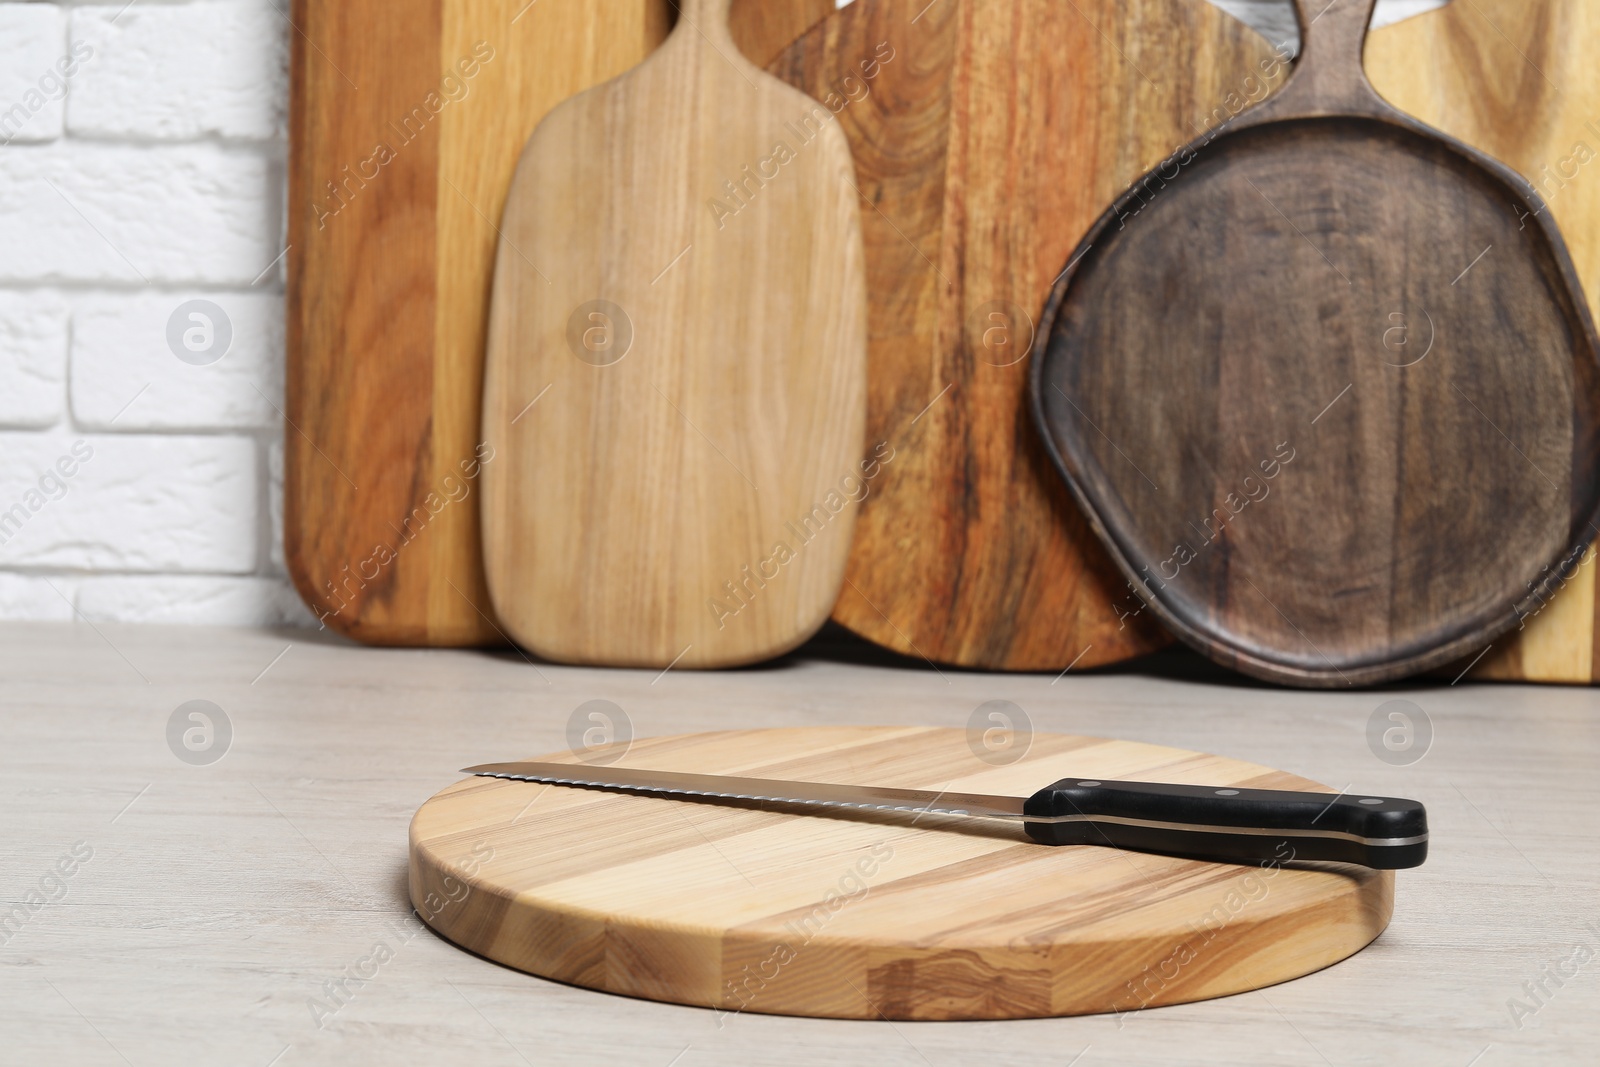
[[407, 119]]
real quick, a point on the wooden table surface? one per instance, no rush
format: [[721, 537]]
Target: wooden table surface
[[253, 911]]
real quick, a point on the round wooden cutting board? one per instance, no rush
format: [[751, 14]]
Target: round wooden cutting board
[[738, 909]]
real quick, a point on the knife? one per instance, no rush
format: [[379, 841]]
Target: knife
[[1199, 822]]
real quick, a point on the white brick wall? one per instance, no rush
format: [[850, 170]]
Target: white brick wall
[[221, 70], [141, 158], [33, 355], [120, 352], [33, 87], [136, 214], [138, 503], [141, 153]]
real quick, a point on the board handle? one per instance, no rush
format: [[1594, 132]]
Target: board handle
[[1329, 77], [703, 16], [1264, 826]]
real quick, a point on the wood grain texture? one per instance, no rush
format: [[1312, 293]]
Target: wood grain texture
[[1515, 79], [1328, 388], [676, 371], [988, 136], [764, 28], [747, 910], [391, 253], [397, 177]]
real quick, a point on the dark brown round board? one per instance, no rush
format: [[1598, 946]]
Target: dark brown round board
[[1326, 385]]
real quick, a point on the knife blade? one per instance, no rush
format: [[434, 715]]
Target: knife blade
[[1200, 822]]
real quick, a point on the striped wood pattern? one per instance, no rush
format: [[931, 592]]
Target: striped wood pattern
[[388, 296], [739, 909], [389, 282]]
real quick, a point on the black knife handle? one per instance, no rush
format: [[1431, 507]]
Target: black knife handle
[[1220, 822]]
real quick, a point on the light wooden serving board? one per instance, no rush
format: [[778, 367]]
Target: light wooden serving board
[[1516, 79], [738, 909], [389, 274], [988, 136], [676, 374]]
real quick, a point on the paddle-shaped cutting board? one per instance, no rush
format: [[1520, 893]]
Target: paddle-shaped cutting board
[[407, 118], [1222, 377], [988, 136], [675, 387], [1516, 79], [737, 909]]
